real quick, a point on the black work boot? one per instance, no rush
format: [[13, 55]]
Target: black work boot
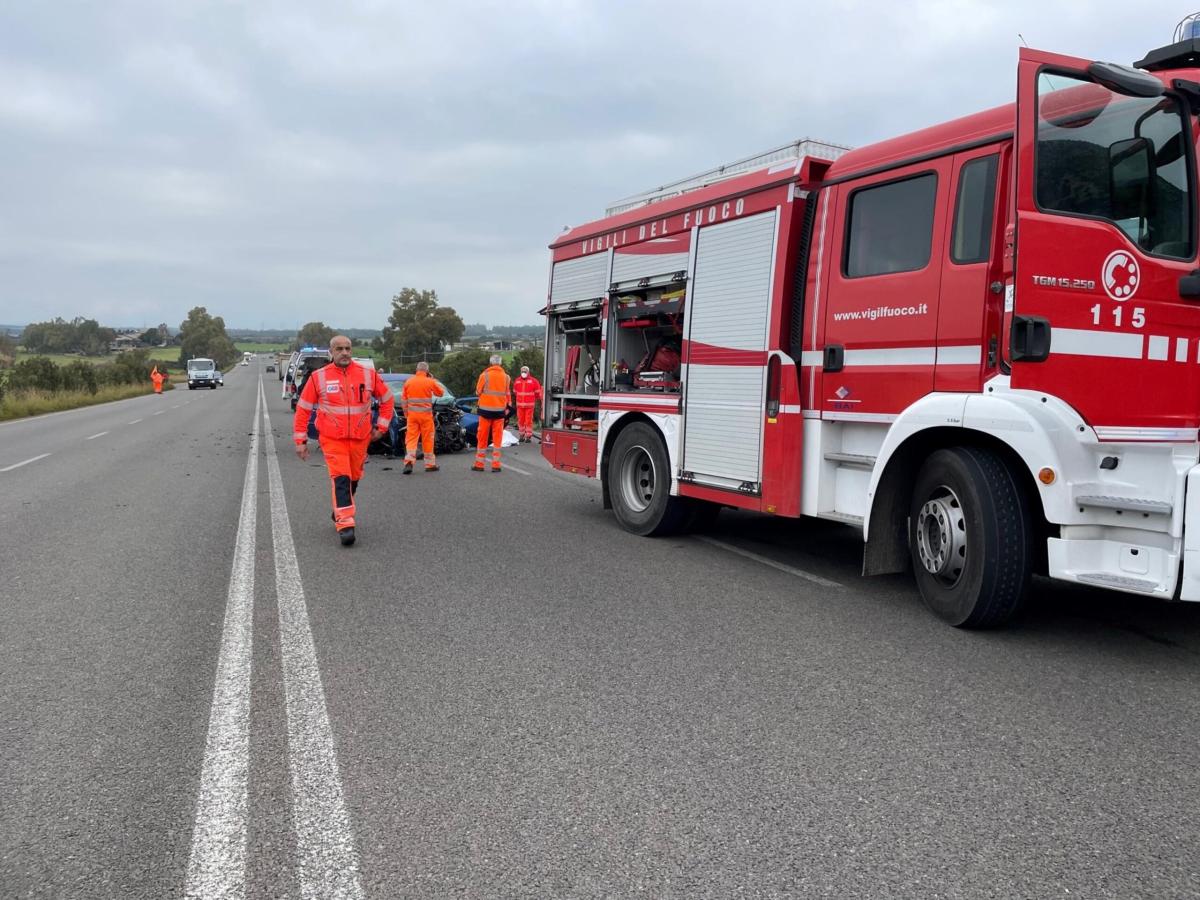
[[347, 536], [408, 468]]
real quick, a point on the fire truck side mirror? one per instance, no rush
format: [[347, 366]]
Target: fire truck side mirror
[[1189, 285], [1030, 340]]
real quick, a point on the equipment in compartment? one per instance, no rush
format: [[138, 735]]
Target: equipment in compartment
[[572, 354], [581, 373], [649, 331]]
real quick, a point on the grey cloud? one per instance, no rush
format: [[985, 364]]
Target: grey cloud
[[286, 161]]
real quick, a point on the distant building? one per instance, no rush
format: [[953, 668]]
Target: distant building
[[130, 340]]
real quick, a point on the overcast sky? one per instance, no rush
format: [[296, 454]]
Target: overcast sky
[[284, 162]]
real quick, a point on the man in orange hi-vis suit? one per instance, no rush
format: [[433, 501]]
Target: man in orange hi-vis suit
[[158, 378], [417, 397], [528, 390], [341, 393], [494, 389]]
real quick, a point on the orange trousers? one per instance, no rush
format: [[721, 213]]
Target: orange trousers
[[490, 431], [525, 420], [344, 460], [419, 428]]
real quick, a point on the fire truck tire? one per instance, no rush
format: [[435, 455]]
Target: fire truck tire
[[971, 537], [639, 474]]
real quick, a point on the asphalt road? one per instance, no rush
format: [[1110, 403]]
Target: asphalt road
[[498, 693]]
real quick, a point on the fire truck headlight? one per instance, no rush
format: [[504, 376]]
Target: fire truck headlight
[[1046, 475]]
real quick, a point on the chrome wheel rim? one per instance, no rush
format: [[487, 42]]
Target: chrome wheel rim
[[942, 536], [636, 479]]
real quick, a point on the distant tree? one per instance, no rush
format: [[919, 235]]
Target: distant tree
[[80, 335], [533, 357], [314, 334], [47, 337], [8, 350], [460, 371], [418, 328], [89, 338], [149, 337], [204, 336]]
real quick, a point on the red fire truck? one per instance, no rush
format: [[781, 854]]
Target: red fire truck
[[979, 342]]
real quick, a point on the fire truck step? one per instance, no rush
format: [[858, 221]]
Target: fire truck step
[[1132, 504], [848, 518], [1118, 582], [855, 460]]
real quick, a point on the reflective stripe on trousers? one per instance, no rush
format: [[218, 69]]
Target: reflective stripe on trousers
[[490, 431], [419, 429], [344, 460]]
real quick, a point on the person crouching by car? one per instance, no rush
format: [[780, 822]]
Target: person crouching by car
[[417, 397], [495, 390], [341, 394]]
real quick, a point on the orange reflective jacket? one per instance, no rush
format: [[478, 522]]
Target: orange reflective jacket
[[528, 390], [342, 399], [494, 387], [418, 393]]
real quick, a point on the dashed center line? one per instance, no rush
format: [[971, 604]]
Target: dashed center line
[[94, 436], [134, 422], [24, 462], [160, 412]]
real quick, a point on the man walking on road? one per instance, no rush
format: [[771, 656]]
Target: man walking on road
[[417, 397], [158, 378], [495, 390], [341, 393], [528, 391]]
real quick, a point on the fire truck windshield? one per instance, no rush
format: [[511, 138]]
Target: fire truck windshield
[[1116, 157]]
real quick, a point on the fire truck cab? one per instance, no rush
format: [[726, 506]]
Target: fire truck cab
[[979, 343]]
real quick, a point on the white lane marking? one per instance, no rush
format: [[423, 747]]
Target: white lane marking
[[134, 422], [175, 406], [160, 412], [515, 469], [324, 839], [791, 570], [24, 462], [94, 436], [217, 864]]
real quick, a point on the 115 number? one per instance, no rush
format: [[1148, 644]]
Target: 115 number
[[1137, 320]]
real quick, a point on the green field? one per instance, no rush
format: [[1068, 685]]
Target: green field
[[168, 354]]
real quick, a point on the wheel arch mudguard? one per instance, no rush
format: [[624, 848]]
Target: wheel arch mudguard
[[613, 422], [1031, 431]]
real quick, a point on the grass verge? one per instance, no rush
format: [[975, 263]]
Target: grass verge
[[20, 404]]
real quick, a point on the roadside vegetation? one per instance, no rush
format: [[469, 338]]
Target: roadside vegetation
[[37, 384], [19, 405], [62, 364]]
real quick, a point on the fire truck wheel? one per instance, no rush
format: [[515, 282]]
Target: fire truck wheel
[[971, 538], [639, 474]]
